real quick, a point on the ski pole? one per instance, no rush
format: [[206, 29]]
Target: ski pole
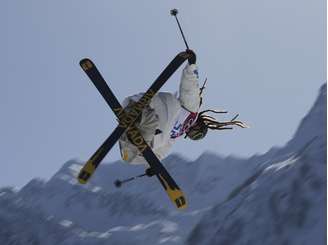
[[118, 183], [174, 13]]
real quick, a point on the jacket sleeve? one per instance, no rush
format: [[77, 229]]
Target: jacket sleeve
[[189, 89]]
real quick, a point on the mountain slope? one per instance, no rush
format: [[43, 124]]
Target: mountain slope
[[285, 203]]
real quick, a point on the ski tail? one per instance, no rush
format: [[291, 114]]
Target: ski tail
[[175, 194], [86, 172], [90, 166]]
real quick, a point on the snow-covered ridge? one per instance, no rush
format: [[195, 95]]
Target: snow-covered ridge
[[285, 202], [275, 198]]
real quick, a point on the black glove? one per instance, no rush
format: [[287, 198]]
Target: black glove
[[192, 58]]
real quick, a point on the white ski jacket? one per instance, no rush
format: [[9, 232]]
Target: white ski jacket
[[166, 118]]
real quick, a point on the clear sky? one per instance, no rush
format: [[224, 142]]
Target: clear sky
[[263, 59]]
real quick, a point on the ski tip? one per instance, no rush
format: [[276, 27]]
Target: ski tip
[[83, 176], [82, 181], [86, 64], [85, 59], [175, 194], [178, 198], [184, 55]]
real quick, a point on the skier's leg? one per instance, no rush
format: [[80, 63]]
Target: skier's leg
[[147, 125]]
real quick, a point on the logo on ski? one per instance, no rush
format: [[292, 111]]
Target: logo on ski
[[125, 120], [136, 139]]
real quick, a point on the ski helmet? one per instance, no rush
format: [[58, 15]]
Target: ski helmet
[[204, 122], [198, 130]]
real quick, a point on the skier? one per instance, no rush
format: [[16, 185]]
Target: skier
[[169, 117]]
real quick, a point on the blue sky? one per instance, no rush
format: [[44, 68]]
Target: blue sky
[[263, 59]]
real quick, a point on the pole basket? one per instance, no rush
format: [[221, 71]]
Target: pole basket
[[174, 12]]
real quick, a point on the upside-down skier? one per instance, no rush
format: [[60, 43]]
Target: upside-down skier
[[169, 117], [151, 122]]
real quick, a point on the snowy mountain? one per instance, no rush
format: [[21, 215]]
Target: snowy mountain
[[275, 198], [285, 202]]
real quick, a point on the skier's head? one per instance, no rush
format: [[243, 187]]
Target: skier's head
[[204, 122], [198, 130]]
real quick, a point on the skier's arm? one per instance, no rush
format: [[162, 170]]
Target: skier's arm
[[189, 88]]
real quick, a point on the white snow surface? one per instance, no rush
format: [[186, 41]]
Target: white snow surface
[[276, 198]]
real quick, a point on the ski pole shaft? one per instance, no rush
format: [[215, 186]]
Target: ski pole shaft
[[203, 87], [174, 13], [118, 183]]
